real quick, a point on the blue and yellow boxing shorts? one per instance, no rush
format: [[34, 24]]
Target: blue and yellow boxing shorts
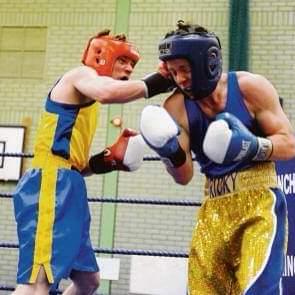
[[53, 220], [239, 240]]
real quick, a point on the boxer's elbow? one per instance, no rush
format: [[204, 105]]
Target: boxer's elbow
[[181, 175], [182, 181], [290, 145], [284, 149]]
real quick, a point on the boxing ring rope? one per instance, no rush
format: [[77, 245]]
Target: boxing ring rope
[[31, 155], [130, 201], [17, 155], [118, 251]]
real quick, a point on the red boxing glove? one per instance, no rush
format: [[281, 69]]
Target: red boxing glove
[[125, 154]]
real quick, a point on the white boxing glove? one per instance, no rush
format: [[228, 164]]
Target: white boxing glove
[[134, 152], [228, 140], [157, 126], [160, 131], [216, 141]]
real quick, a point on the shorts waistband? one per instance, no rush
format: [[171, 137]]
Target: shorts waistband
[[260, 175], [48, 160]]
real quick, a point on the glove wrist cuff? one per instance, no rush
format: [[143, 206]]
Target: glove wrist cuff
[[265, 149], [156, 84], [146, 90], [98, 163], [175, 159]]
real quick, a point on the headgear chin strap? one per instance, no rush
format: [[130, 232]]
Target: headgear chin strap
[[101, 53], [203, 52]]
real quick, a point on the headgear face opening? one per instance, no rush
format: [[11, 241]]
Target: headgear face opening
[[102, 52], [203, 52]]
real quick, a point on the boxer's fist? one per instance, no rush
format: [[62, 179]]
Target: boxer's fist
[[163, 70], [160, 132], [125, 154], [227, 140]]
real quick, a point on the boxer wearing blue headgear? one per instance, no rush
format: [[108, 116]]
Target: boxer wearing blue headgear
[[235, 126], [203, 52]]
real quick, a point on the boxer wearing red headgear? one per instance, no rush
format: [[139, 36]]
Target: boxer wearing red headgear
[[50, 201], [103, 50]]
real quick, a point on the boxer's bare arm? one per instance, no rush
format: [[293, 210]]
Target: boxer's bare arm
[[263, 100], [107, 90]]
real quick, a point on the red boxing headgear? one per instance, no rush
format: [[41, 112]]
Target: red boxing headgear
[[102, 51]]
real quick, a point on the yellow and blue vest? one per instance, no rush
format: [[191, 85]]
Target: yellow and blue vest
[[66, 131]]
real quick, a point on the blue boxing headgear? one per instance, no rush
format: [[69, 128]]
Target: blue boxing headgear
[[203, 52]]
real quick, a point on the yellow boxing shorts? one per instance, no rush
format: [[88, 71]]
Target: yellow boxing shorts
[[240, 237]]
